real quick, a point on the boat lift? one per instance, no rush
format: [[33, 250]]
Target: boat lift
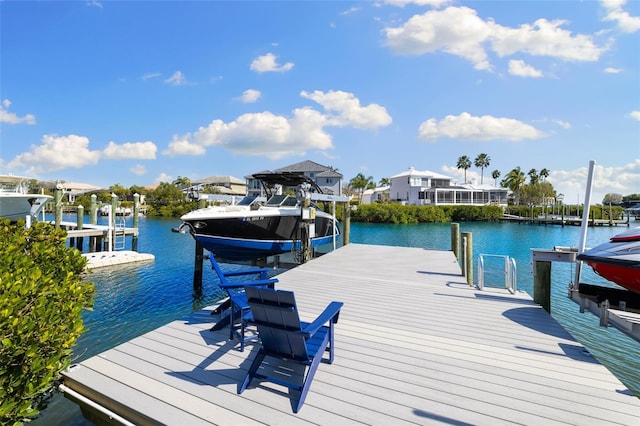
[[610, 304]]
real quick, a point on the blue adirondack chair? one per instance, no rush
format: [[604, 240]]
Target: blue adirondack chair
[[285, 337], [239, 309]]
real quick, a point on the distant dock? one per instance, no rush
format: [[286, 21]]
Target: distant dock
[[415, 344], [563, 220], [106, 243]]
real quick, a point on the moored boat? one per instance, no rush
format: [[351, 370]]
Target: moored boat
[[15, 200], [256, 230], [617, 260]]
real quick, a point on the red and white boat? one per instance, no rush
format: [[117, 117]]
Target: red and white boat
[[617, 260]]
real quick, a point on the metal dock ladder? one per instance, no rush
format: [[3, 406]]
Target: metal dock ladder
[[119, 237], [500, 268]]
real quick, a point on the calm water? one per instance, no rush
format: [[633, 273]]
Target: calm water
[[134, 299]]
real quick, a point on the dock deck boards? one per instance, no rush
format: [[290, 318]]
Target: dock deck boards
[[414, 345]]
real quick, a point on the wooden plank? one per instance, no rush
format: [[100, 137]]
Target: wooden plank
[[117, 395]]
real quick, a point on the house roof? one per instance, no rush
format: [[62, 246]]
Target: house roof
[[80, 188], [310, 166], [418, 173], [377, 189], [213, 180]]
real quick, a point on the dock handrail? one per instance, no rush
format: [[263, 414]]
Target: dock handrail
[[510, 269]]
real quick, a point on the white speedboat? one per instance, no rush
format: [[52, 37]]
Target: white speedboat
[[256, 230], [16, 202]]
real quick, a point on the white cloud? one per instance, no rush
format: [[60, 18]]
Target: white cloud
[[150, 75], [11, 118], [130, 150], [460, 31], [349, 110], [94, 3], [163, 177], [277, 136], [466, 126], [611, 70], [521, 69], [177, 79], [267, 134], [267, 63], [183, 146], [635, 115], [614, 12], [544, 38], [403, 3], [250, 96], [138, 170], [455, 30], [350, 11], [56, 153]]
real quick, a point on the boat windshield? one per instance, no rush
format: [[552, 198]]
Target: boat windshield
[[12, 187], [282, 201], [247, 200]]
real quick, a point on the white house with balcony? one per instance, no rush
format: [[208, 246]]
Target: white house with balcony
[[415, 187]]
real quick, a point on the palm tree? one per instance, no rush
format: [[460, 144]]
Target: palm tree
[[544, 174], [360, 183], [482, 161], [495, 175], [533, 176], [384, 182], [464, 163], [182, 182], [514, 181]]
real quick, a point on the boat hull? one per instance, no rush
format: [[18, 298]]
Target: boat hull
[[238, 249], [617, 260], [253, 235], [15, 206]]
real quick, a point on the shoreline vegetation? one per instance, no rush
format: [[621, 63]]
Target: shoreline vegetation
[[396, 213], [169, 200], [405, 214]]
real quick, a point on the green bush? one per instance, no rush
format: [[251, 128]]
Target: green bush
[[43, 295], [401, 214]]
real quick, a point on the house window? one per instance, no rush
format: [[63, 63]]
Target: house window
[[329, 181], [415, 181]]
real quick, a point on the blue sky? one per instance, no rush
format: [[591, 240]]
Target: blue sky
[[136, 92]]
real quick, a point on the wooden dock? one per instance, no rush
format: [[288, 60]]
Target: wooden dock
[[563, 220], [415, 345], [90, 230]]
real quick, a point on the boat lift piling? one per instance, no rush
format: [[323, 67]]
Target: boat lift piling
[[462, 247], [136, 214], [455, 240]]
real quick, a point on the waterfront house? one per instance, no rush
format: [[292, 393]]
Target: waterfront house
[[374, 195], [415, 187], [75, 189], [212, 187], [327, 178]]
